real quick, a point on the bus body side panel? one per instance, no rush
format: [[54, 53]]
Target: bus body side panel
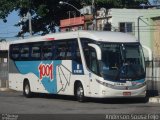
[[67, 74], [15, 81], [41, 75], [19, 71], [64, 78], [54, 77]]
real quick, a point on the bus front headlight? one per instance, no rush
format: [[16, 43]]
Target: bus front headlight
[[105, 84]]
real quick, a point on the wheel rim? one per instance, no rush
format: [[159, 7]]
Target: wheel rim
[[27, 89], [80, 92]]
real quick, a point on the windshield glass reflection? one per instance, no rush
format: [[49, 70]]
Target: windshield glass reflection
[[122, 61]]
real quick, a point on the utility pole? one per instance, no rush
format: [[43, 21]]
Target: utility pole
[[24, 18], [93, 1], [30, 19], [30, 22], [94, 15]]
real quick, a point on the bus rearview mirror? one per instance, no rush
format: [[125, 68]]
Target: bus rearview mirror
[[98, 50]]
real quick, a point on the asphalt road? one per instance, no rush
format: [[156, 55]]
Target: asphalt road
[[13, 103]]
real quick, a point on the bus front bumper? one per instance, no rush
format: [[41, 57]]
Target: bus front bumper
[[114, 93]]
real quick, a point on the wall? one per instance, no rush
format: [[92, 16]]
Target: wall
[[156, 37]]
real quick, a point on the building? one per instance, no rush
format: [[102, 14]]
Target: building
[[72, 24], [102, 20], [77, 23]]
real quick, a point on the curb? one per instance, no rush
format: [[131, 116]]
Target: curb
[[154, 99], [6, 90]]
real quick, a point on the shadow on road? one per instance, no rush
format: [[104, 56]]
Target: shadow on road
[[95, 100], [120, 100]]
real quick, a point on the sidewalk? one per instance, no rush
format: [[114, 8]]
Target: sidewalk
[[154, 96], [155, 99], [5, 90]]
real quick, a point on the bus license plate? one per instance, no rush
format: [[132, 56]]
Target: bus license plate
[[126, 93]]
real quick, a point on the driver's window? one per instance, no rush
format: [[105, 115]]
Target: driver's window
[[94, 62], [91, 59], [90, 56]]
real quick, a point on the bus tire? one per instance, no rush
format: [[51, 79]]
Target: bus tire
[[26, 90], [145, 99], [80, 93]]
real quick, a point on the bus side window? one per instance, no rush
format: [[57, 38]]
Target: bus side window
[[68, 55], [60, 50], [69, 50], [86, 50], [78, 56], [91, 59], [36, 52], [94, 61], [24, 53], [76, 53], [90, 56], [86, 54], [62, 53], [47, 51], [14, 53]]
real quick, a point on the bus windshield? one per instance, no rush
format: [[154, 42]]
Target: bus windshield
[[122, 61]]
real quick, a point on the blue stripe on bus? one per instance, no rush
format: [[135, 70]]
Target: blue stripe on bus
[[39, 69]]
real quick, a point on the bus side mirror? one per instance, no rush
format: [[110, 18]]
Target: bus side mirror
[[98, 50]]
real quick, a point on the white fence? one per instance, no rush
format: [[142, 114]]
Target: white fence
[[153, 77], [3, 72]]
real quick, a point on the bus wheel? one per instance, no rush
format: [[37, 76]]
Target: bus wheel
[[26, 90], [80, 93]]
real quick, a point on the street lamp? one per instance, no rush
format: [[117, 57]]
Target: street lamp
[[62, 3]]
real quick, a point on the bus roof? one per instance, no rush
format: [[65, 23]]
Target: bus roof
[[104, 36]]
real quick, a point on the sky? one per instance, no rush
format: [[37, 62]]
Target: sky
[[8, 30]]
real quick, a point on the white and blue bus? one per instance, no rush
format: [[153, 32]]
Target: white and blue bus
[[81, 63]]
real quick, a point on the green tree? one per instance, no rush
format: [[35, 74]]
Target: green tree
[[47, 13], [6, 7]]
